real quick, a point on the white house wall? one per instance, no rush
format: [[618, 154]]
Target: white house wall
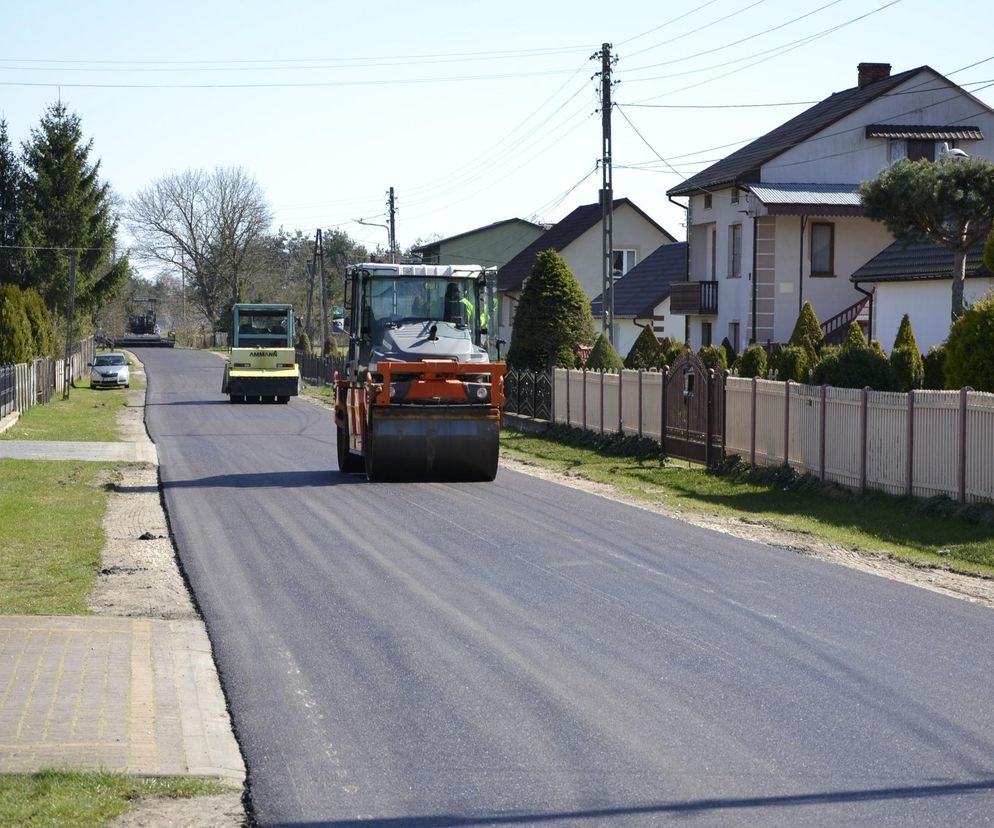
[[841, 153], [856, 242], [928, 304]]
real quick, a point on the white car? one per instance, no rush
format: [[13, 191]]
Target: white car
[[110, 371]]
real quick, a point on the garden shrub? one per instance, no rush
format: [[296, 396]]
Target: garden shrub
[[16, 339], [970, 348], [645, 351], [752, 363], [854, 337], [934, 364], [603, 356], [908, 367], [793, 363], [713, 356], [807, 333]]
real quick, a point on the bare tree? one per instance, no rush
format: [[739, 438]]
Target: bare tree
[[206, 226]]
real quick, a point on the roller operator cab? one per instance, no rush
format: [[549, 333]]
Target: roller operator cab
[[262, 365], [422, 395]]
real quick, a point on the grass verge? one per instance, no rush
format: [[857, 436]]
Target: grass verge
[[51, 534], [325, 393], [898, 527], [72, 799], [89, 415]]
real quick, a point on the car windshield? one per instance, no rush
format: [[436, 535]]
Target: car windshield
[[110, 359]]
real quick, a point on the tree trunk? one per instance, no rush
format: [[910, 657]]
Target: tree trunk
[[959, 279]]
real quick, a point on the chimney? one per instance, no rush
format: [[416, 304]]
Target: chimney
[[871, 73]]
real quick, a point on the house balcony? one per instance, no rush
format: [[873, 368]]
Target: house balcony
[[694, 298]]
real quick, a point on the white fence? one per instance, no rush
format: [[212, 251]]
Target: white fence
[[919, 444]]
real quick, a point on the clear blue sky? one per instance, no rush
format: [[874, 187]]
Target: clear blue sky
[[473, 112]]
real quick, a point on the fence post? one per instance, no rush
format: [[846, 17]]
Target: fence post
[[569, 421], [752, 428], [709, 415], [621, 382], [602, 399], [640, 403], [962, 442], [662, 409], [864, 423], [786, 423], [824, 438], [910, 485], [584, 399]]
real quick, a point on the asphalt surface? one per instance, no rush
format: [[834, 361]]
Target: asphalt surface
[[522, 653]]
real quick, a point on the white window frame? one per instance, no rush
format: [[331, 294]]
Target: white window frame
[[734, 251], [628, 260]]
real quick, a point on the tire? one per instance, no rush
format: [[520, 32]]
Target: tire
[[348, 463], [283, 400]]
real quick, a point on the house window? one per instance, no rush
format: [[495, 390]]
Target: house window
[[733, 335], [705, 334], [623, 261], [822, 248], [734, 251], [707, 201], [735, 195], [918, 149], [714, 253]]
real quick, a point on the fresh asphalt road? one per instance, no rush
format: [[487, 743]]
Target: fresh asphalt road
[[521, 653]]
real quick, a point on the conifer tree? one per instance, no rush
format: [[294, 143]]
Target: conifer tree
[[645, 352], [552, 319], [10, 183], [807, 333], [603, 356], [65, 208], [15, 329], [854, 337]]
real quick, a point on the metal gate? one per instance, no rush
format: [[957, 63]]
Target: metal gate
[[694, 405]]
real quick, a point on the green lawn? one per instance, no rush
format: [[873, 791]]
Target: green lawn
[[83, 800], [89, 415], [325, 393], [51, 534], [872, 523]]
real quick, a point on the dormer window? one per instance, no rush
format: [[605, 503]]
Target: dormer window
[[915, 141]]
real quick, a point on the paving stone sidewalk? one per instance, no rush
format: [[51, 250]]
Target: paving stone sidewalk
[[135, 695]]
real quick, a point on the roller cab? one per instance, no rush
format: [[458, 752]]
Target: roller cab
[[262, 364]]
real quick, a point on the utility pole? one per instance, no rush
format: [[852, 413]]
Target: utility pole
[[319, 262], [392, 212], [607, 193], [70, 307]]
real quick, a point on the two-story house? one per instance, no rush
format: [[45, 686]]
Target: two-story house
[[779, 221], [578, 239]]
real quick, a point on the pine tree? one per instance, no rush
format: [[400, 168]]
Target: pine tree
[[552, 319], [10, 183], [603, 356], [645, 352], [65, 208]]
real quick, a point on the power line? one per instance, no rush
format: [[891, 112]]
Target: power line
[[667, 23], [735, 13], [735, 42], [782, 51]]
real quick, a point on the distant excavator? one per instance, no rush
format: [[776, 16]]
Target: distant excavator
[[143, 329]]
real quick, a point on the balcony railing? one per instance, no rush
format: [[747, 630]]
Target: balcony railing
[[694, 298]]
